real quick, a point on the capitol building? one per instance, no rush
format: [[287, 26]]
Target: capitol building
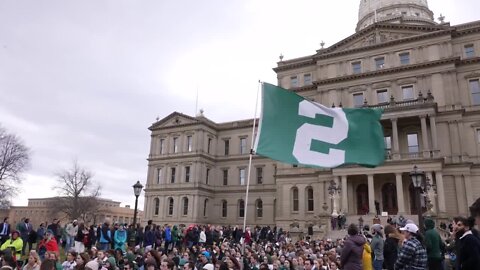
[[425, 75]]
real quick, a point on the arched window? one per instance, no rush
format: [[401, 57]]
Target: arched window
[[170, 206], [185, 206], [156, 202], [205, 204], [224, 208], [310, 201], [295, 199], [241, 208], [259, 206]]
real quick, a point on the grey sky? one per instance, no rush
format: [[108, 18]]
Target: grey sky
[[84, 79]]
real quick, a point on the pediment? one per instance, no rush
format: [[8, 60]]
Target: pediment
[[174, 119]]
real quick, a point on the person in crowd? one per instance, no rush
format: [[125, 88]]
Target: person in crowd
[[48, 244], [413, 254], [48, 265], [120, 238], [41, 230], [433, 244], [81, 237], [25, 228], [70, 262], [366, 257], [475, 211], [54, 228], [54, 256], [390, 249], [377, 246], [4, 231], [468, 256], [81, 260], [33, 262], [71, 231], [15, 243], [351, 257], [105, 235]]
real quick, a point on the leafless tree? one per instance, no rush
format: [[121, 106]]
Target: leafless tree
[[14, 160], [78, 193]]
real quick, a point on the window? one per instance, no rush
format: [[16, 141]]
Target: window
[[241, 208], [156, 202], [469, 51], [259, 206], [295, 199], [404, 58], [388, 143], [241, 174], [380, 62], [207, 175], [225, 177], [227, 147], [170, 206], [162, 146], [187, 174], [382, 96], [175, 145], [189, 143], [172, 175], [243, 145], [259, 175], [224, 208], [412, 140], [293, 81], [205, 205], [185, 206], [407, 92], [307, 79], [356, 67], [159, 175], [358, 99], [209, 144], [310, 199], [475, 90]]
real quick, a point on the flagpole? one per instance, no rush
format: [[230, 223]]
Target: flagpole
[[250, 165]]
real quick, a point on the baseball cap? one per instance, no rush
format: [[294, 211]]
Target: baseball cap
[[410, 227]]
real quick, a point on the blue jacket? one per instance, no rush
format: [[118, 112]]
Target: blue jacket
[[105, 234], [120, 238], [168, 235]]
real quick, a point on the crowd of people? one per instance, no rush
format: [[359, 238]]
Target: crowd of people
[[398, 245]]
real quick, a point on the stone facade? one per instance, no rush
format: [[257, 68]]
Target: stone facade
[[426, 77]]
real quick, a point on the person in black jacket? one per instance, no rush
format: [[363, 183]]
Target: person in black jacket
[[468, 256], [390, 249]]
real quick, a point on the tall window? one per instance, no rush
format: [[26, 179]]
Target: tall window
[[207, 175], [310, 199], [259, 175], [225, 177], [408, 92], [469, 50], [356, 67], [156, 202], [189, 143], [159, 175], [185, 206], [382, 96], [475, 91], [380, 62], [293, 81], [412, 139], [224, 208], [358, 99], [227, 147], [162, 146], [172, 175], [175, 144], [295, 199], [241, 208], [187, 174], [388, 143], [243, 145], [205, 205], [241, 175], [209, 145], [170, 206], [259, 206], [404, 58], [307, 79]]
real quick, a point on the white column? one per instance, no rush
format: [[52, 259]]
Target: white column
[[425, 147], [371, 194], [440, 192], [335, 197], [396, 147], [344, 195], [460, 194], [433, 129], [431, 194], [400, 198], [468, 189]]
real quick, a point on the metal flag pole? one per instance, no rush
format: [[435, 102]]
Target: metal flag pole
[[245, 207]]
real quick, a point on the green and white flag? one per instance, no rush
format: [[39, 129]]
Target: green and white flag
[[297, 131]]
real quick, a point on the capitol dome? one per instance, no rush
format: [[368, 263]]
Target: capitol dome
[[406, 11]]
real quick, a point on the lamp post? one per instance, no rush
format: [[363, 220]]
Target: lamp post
[[417, 180], [137, 189]]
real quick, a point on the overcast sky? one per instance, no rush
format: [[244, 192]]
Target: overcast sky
[[85, 79]]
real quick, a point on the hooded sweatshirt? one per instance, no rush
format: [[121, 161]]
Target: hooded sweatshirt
[[433, 241], [352, 252]]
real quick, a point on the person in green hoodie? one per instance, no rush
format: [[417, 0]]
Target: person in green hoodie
[[433, 243], [175, 236]]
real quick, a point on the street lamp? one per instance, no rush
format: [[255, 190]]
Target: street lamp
[[137, 189], [417, 180]]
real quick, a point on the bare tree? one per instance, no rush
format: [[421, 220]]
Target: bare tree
[[78, 193], [14, 160]]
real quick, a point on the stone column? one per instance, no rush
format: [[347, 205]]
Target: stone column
[[396, 147], [425, 147], [371, 194], [460, 194], [440, 193], [344, 195], [468, 189], [433, 129], [400, 197], [431, 194]]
